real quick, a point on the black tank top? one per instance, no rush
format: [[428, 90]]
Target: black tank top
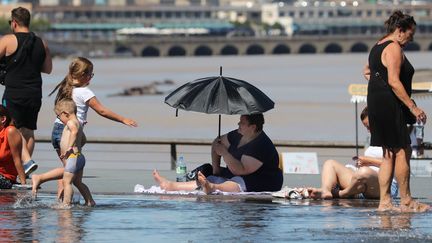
[[375, 65], [23, 79]]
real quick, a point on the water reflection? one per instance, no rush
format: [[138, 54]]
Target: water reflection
[[140, 218], [395, 221]]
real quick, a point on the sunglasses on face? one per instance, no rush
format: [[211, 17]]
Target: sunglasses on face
[[59, 115]]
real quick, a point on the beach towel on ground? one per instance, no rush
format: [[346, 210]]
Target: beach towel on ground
[[157, 190], [291, 193]]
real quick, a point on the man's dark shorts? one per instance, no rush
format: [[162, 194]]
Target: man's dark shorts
[[24, 112]]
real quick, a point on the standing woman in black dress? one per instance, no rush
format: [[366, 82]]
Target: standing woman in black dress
[[390, 74]]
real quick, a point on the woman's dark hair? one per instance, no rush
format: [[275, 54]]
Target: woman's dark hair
[[257, 120], [364, 114], [399, 20], [5, 112]]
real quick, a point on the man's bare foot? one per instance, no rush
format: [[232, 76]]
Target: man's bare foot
[[162, 181], [206, 186], [318, 193], [90, 204], [414, 207], [35, 185]]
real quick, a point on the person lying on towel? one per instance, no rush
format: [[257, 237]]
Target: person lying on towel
[[348, 181], [250, 156]]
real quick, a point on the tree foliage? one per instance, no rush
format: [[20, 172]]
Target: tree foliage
[[38, 25]]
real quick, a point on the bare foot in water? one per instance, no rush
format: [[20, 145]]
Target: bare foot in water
[[206, 186], [387, 207], [318, 193], [91, 203], [35, 185], [414, 207], [163, 183]]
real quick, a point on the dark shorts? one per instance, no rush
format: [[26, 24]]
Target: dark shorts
[[56, 135], [24, 112]]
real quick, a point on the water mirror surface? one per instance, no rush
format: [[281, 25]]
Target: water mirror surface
[[145, 218], [310, 92]]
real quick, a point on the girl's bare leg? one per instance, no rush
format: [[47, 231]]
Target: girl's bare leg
[[37, 180]]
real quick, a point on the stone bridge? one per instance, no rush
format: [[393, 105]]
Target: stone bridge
[[207, 46]]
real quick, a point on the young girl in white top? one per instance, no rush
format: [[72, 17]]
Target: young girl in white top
[[75, 86]]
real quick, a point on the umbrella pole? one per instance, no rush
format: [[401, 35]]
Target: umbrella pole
[[219, 126], [356, 127]]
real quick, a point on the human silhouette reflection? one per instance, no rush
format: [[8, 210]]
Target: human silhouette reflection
[[395, 221], [68, 227]]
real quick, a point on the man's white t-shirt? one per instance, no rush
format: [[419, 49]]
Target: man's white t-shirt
[[80, 96]]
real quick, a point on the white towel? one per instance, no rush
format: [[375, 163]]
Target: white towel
[[291, 193], [157, 190]]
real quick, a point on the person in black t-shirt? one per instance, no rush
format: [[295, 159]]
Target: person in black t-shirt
[[27, 57], [251, 158]]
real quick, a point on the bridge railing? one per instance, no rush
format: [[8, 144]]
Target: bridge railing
[[174, 143]]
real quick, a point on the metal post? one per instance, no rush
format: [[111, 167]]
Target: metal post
[[356, 128], [173, 156]]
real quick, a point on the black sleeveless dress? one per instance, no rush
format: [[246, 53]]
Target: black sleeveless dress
[[387, 123]]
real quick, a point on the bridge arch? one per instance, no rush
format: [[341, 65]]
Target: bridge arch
[[176, 51], [255, 49], [229, 50], [123, 50], [150, 51], [307, 48], [359, 47], [333, 48], [281, 49], [203, 51], [412, 46]]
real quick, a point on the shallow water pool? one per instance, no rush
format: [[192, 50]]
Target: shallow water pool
[[145, 218]]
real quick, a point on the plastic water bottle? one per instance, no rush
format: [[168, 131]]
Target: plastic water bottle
[[181, 170], [367, 142], [419, 130]]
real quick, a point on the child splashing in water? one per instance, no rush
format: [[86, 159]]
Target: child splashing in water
[[75, 86], [71, 142]]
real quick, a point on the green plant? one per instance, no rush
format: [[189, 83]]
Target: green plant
[[36, 25]]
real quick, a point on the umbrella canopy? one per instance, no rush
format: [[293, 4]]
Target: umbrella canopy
[[220, 95]]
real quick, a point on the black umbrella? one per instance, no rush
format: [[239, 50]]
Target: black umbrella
[[220, 95]]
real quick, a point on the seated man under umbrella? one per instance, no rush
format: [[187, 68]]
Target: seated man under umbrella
[[251, 158]]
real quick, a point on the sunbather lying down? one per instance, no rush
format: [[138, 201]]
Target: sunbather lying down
[[340, 181]]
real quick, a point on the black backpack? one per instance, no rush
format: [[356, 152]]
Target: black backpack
[[23, 50]]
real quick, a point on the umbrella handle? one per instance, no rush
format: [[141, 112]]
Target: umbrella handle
[[219, 126]]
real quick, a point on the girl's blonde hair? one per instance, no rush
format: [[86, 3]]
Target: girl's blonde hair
[[80, 67]]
